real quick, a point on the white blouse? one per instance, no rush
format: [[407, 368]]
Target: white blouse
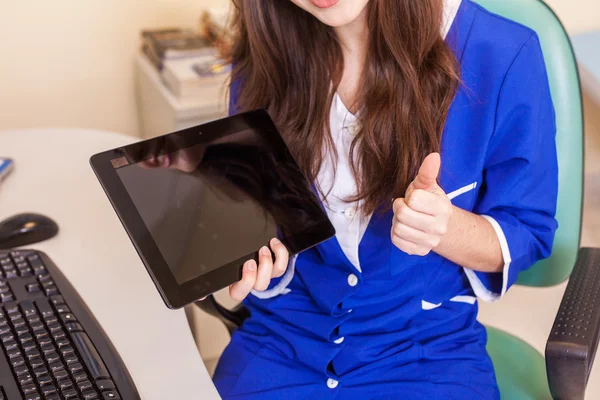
[[338, 183]]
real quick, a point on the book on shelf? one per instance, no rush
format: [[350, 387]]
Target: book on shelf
[[161, 45], [195, 78]]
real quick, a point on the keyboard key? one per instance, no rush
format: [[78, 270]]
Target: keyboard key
[[44, 308], [21, 329], [56, 366], [61, 375], [105, 384], [4, 329], [62, 343], [31, 351], [70, 394], [51, 320], [11, 273], [52, 397], [49, 390], [44, 340], [37, 265], [90, 355], [74, 327], [68, 317], [19, 323], [47, 348], [15, 316], [90, 396], [80, 376], [37, 327], [72, 359], [57, 300], [40, 371], [32, 287], [65, 384], [44, 380], [67, 351], [51, 290], [29, 389], [10, 345], [59, 334], [47, 281], [12, 309], [25, 338], [25, 379], [17, 362], [5, 337], [20, 371], [33, 396], [14, 353], [52, 357], [6, 297], [62, 308], [54, 327], [85, 385], [36, 363], [74, 368], [26, 272], [21, 264]]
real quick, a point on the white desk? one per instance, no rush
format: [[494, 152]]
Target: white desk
[[52, 176]]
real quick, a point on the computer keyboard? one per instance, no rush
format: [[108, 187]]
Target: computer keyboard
[[53, 346]]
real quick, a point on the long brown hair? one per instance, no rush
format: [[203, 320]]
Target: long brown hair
[[289, 62]]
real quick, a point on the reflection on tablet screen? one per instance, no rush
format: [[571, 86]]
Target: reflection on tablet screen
[[211, 203]]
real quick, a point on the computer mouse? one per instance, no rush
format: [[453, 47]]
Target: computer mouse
[[26, 228]]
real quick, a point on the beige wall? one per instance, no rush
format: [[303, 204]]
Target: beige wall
[[577, 15], [70, 63]]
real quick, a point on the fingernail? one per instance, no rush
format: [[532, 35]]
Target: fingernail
[[275, 241], [265, 251], [251, 265]]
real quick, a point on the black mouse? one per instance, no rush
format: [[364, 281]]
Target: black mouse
[[24, 229]]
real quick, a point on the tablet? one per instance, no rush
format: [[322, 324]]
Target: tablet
[[200, 202]]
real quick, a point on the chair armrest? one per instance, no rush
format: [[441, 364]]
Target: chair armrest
[[232, 319], [572, 344]]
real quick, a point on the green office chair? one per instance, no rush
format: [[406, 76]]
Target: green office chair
[[520, 369]]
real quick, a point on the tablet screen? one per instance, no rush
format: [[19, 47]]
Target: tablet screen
[[208, 204]]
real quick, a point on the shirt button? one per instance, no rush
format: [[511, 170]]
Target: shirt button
[[352, 280], [349, 212], [332, 383], [339, 341]]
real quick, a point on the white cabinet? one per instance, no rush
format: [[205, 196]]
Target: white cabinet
[[161, 112]]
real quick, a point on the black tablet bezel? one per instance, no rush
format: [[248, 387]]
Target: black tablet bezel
[[175, 295]]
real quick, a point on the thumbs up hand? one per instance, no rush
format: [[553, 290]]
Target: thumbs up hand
[[421, 218]]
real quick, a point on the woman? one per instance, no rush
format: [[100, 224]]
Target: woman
[[368, 94]]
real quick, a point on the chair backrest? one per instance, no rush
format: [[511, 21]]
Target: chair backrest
[[566, 95]]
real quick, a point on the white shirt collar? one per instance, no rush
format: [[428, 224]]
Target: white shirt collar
[[450, 10]]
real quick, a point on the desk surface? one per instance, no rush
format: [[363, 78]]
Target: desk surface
[[52, 176]]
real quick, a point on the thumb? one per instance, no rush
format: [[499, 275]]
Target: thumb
[[428, 173]]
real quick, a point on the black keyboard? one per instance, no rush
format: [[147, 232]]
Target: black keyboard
[[53, 347]]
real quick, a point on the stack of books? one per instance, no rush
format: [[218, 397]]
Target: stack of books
[[174, 44], [188, 62]]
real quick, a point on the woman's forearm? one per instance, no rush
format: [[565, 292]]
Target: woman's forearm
[[471, 242]]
